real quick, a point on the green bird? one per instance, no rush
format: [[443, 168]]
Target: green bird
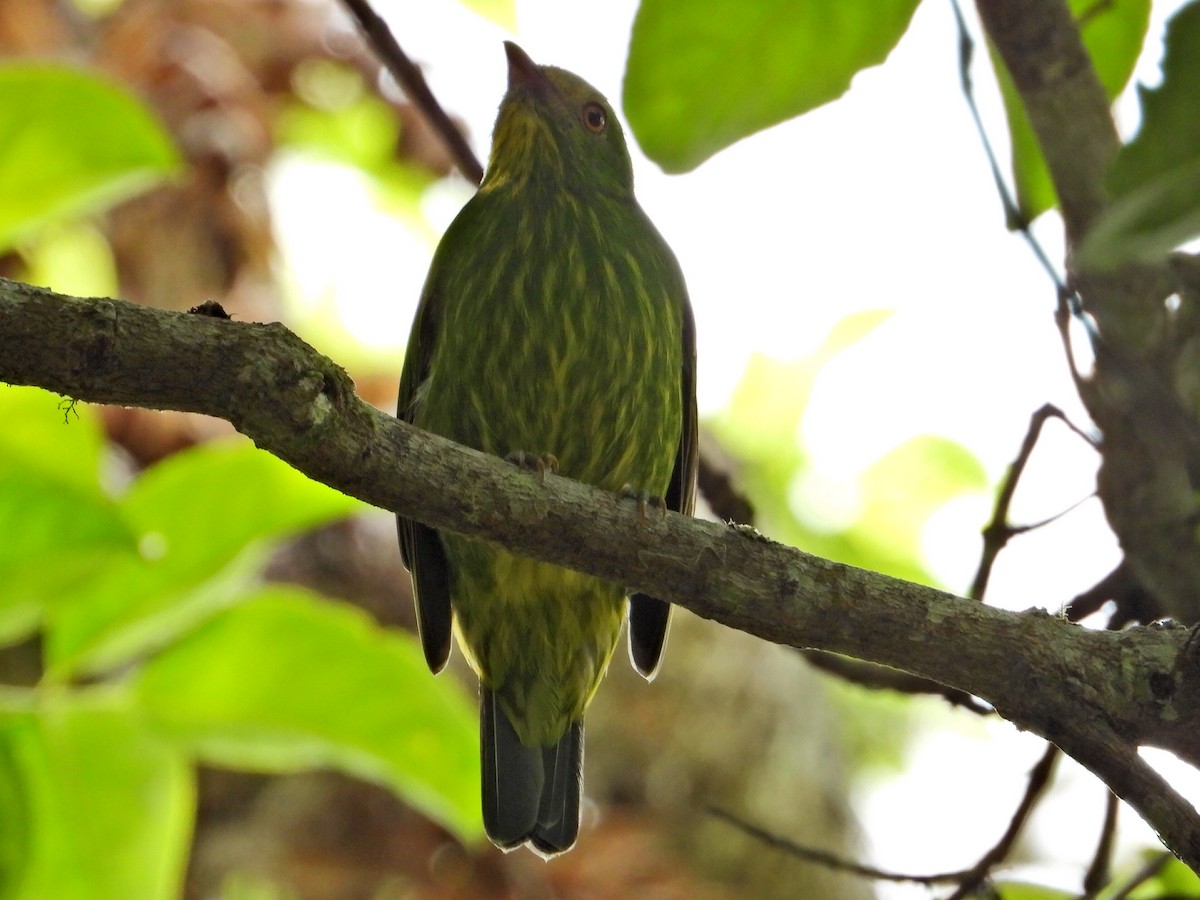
[[554, 326]]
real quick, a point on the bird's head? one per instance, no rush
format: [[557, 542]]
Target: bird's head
[[557, 131]]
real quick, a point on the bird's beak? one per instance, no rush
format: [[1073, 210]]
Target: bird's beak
[[524, 71]]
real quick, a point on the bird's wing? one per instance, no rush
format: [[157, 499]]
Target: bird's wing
[[649, 616], [420, 546]]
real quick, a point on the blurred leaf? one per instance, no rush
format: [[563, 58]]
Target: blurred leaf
[[100, 808], [46, 434], [1155, 179], [761, 428], [287, 681], [136, 605], [75, 258], [205, 518], [16, 817], [502, 12], [56, 537], [1113, 33], [357, 129], [209, 501], [59, 527], [240, 885], [73, 144], [902, 490], [703, 74], [1174, 879], [892, 500], [874, 726], [1013, 890]]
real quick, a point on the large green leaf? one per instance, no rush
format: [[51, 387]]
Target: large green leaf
[[59, 527], [210, 501], [703, 74], [70, 144], [205, 518], [1113, 33], [136, 604], [91, 804], [1155, 179], [287, 681], [56, 536], [46, 434]]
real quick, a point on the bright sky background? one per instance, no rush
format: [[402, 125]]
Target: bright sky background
[[880, 200]]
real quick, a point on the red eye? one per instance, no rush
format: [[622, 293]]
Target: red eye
[[595, 119]]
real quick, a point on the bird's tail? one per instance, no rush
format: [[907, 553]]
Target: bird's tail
[[530, 794]]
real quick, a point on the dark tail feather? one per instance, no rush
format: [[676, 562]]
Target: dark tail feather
[[558, 812], [512, 777], [529, 793]]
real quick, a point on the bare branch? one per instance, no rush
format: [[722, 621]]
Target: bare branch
[[827, 859], [1150, 452], [408, 76], [1039, 780], [998, 532], [1099, 872]]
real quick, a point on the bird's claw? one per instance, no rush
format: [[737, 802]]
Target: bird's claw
[[548, 462], [645, 500]]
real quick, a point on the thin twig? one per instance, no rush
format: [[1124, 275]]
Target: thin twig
[[876, 677], [1039, 780], [998, 531], [1013, 217], [829, 860], [408, 76], [1099, 873], [1068, 304]]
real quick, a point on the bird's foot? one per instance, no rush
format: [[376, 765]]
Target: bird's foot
[[645, 500], [540, 464]]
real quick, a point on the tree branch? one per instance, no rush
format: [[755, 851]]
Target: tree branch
[[409, 76], [1137, 395], [1097, 695]]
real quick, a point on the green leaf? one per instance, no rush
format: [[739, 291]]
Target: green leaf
[[137, 604], [502, 12], [1155, 180], [902, 490], [75, 257], [355, 129], [761, 429], [59, 527], [91, 805], [205, 518], [1173, 879], [287, 681], [210, 501], [1113, 33], [46, 434], [73, 144], [57, 536], [703, 74], [1015, 890]]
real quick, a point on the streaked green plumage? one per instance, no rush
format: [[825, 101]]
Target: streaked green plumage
[[554, 321]]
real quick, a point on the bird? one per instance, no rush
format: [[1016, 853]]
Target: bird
[[554, 330]]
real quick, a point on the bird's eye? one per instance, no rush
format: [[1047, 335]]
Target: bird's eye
[[595, 119]]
